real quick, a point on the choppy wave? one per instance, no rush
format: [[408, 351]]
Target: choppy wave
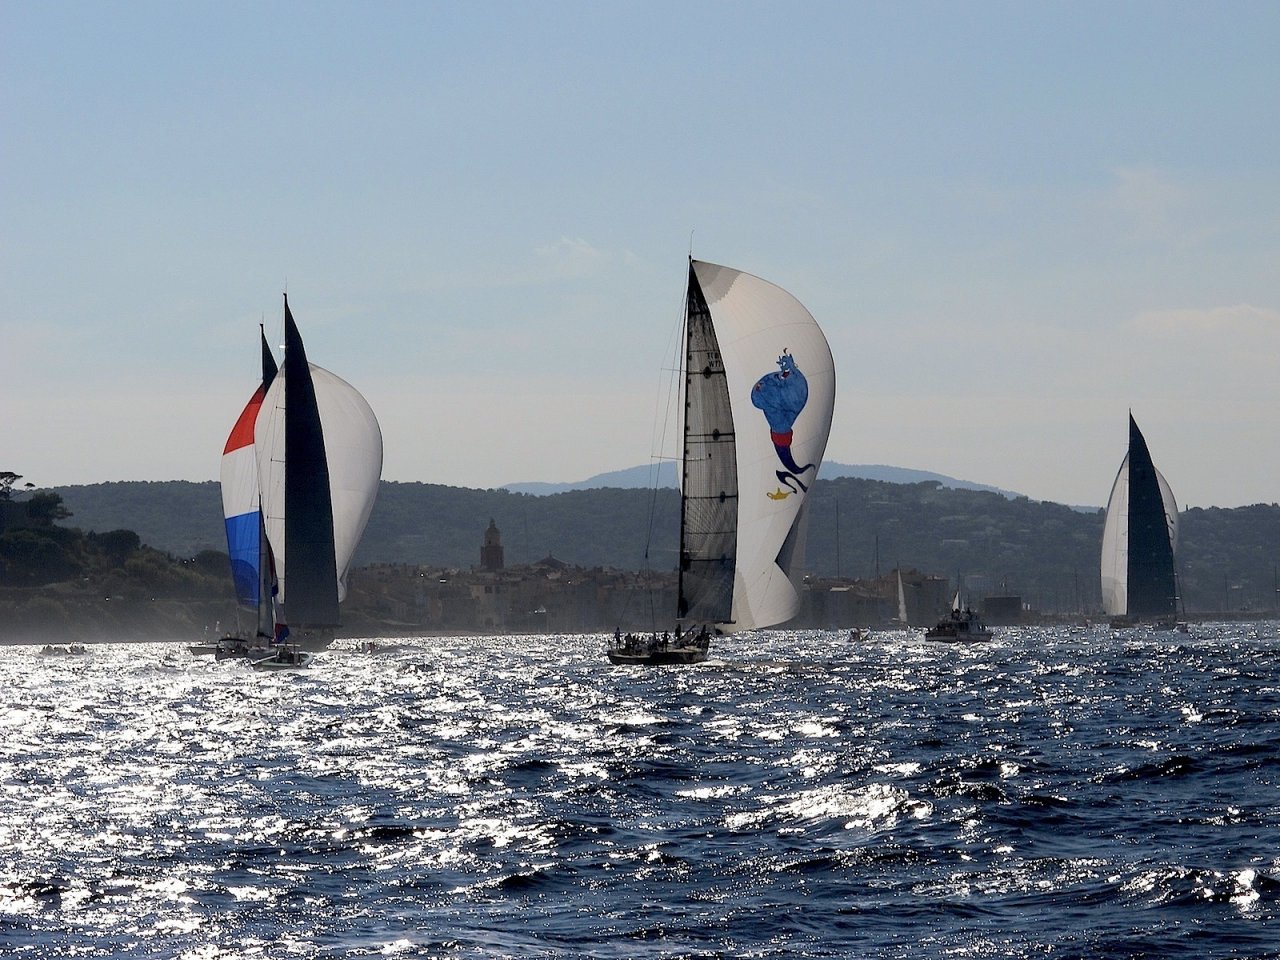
[[1051, 793]]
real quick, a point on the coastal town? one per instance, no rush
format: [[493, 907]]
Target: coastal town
[[551, 596]]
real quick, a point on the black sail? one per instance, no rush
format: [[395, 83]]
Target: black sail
[[1152, 587], [709, 500], [311, 588], [269, 368]]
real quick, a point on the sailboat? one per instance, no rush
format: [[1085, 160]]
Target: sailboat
[[251, 569], [1139, 541], [898, 621], [319, 461], [759, 392]]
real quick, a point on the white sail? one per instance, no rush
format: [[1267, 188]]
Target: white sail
[[1115, 546], [770, 346], [353, 447], [902, 600], [1115, 539]]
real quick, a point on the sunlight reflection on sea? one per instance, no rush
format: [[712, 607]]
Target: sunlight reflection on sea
[[1087, 793]]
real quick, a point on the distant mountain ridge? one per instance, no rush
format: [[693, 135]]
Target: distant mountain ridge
[[643, 476]]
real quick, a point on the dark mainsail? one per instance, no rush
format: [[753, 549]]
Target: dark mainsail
[[1152, 587], [311, 591], [269, 368], [709, 501]]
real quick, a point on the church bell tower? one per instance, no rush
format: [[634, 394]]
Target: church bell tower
[[491, 552]]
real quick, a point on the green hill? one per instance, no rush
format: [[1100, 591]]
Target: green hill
[[1046, 552], [60, 583]]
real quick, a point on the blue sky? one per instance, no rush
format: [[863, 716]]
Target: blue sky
[[1015, 222]]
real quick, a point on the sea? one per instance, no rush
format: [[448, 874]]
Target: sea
[[1064, 793]]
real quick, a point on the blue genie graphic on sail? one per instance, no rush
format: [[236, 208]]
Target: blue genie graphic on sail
[[781, 395]]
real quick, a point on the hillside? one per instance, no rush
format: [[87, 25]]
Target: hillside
[[59, 583], [1046, 552]]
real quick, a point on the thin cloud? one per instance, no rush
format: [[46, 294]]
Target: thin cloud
[[1156, 206], [570, 258], [1239, 320]]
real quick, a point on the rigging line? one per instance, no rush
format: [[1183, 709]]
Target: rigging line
[[663, 420], [673, 392], [674, 349]]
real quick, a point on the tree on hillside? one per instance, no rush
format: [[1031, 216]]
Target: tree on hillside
[[46, 508], [31, 559], [117, 544], [7, 479], [212, 562]]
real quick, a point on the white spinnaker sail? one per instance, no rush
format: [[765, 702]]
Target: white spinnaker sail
[[757, 324], [1115, 539], [353, 448]]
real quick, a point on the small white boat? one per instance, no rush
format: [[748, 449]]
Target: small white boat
[[287, 657], [379, 646], [255, 648], [56, 650], [231, 645]]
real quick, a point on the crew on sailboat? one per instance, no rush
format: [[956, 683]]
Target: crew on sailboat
[[632, 643]]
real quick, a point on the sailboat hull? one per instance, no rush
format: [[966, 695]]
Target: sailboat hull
[[656, 658], [243, 648], [960, 626], [285, 658], [954, 636]]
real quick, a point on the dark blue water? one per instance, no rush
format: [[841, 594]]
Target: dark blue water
[[1049, 794]]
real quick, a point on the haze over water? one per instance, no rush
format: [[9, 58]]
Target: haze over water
[[1053, 792]]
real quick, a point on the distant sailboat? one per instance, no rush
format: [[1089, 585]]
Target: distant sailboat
[[759, 392], [319, 462], [1139, 540], [902, 602], [251, 570]]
